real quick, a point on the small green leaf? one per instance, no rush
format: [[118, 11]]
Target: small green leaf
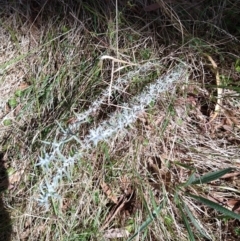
[[11, 171], [215, 206], [237, 69], [145, 142], [7, 122], [18, 93], [12, 102], [211, 176], [64, 29], [237, 66]]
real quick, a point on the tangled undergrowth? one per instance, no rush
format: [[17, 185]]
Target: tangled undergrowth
[[119, 120]]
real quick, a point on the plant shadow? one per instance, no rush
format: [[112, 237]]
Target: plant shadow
[[5, 220]]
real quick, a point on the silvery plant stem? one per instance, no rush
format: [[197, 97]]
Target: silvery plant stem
[[55, 165], [119, 85]]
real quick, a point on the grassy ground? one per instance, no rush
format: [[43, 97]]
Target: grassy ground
[[89, 151]]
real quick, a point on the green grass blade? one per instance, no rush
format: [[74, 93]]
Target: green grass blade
[[195, 223], [190, 180], [216, 206], [186, 223], [147, 222], [211, 176], [191, 168]]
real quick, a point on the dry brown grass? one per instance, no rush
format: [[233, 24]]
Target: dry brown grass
[[51, 54]]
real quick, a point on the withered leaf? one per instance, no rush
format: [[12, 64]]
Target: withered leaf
[[108, 192]]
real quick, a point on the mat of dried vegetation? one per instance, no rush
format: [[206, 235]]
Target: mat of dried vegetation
[[119, 120]]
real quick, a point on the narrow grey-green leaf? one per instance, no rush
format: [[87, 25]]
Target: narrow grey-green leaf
[[186, 223], [191, 168], [190, 180], [147, 222], [216, 206], [195, 222], [211, 176]]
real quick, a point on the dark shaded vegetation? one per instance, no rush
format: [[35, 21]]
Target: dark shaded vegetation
[[5, 221], [199, 19]]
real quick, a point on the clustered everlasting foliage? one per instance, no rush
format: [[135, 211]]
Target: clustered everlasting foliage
[[56, 166]]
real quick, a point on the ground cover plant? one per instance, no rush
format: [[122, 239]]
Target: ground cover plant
[[119, 120]]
